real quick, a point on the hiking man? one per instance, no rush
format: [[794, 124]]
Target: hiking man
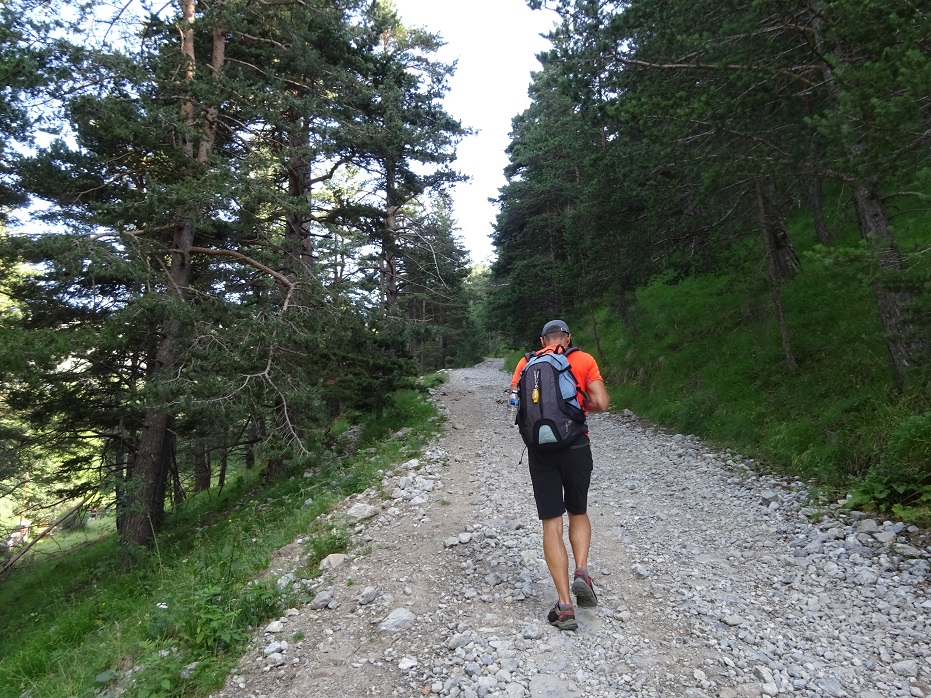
[[561, 466]]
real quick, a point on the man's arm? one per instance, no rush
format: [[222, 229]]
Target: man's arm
[[517, 369], [597, 397]]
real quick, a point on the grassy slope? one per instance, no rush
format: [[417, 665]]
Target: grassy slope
[[704, 357], [72, 626]]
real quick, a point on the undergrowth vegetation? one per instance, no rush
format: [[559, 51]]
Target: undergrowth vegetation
[[703, 356], [72, 626]]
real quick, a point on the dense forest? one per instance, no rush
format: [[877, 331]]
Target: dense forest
[[663, 133], [240, 232], [733, 199]]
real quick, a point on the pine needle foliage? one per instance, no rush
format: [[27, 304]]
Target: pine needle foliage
[[729, 203]]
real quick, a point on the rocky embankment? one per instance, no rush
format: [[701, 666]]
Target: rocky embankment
[[713, 580]]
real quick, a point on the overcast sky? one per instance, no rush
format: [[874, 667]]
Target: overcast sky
[[496, 43]]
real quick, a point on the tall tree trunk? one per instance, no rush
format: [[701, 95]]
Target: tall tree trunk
[[202, 474], [814, 189], [904, 348], [441, 344], [177, 489], [623, 309], [276, 467], [813, 181], [779, 245], [388, 271], [298, 243], [145, 489], [224, 459], [389, 264], [874, 229], [775, 263]]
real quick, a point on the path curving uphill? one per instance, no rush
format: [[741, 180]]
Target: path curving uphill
[[713, 581]]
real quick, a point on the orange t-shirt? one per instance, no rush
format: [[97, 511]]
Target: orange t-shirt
[[583, 365]]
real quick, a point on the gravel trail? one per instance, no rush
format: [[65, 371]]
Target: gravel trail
[[713, 581]]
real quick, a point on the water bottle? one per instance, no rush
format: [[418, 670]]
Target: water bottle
[[513, 404]]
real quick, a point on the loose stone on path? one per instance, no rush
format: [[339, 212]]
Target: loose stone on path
[[717, 580]]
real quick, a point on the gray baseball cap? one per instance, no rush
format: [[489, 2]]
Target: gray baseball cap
[[555, 326]]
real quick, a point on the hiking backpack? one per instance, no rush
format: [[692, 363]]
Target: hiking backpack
[[549, 416]]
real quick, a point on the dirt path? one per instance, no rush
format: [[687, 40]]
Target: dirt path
[[712, 581]]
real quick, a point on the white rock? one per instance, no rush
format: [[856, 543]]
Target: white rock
[[367, 596], [397, 620], [407, 662], [332, 561], [361, 511], [908, 667]]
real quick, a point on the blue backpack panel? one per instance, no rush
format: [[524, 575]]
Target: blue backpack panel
[[549, 416]]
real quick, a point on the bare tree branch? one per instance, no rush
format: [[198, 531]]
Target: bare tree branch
[[279, 277], [8, 565]]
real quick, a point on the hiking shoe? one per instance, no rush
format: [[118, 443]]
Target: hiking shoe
[[564, 620], [584, 593]]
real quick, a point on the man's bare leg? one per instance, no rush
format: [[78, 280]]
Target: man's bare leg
[[580, 538], [557, 557]]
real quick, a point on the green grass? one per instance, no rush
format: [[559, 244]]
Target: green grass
[[72, 626], [704, 357]]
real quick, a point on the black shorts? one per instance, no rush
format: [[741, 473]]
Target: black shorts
[[561, 478]]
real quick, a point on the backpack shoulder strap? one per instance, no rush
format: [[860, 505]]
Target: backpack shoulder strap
[[575, 380], [578, 386], [527, 357]]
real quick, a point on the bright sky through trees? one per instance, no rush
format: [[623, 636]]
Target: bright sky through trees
[[496, 43]]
